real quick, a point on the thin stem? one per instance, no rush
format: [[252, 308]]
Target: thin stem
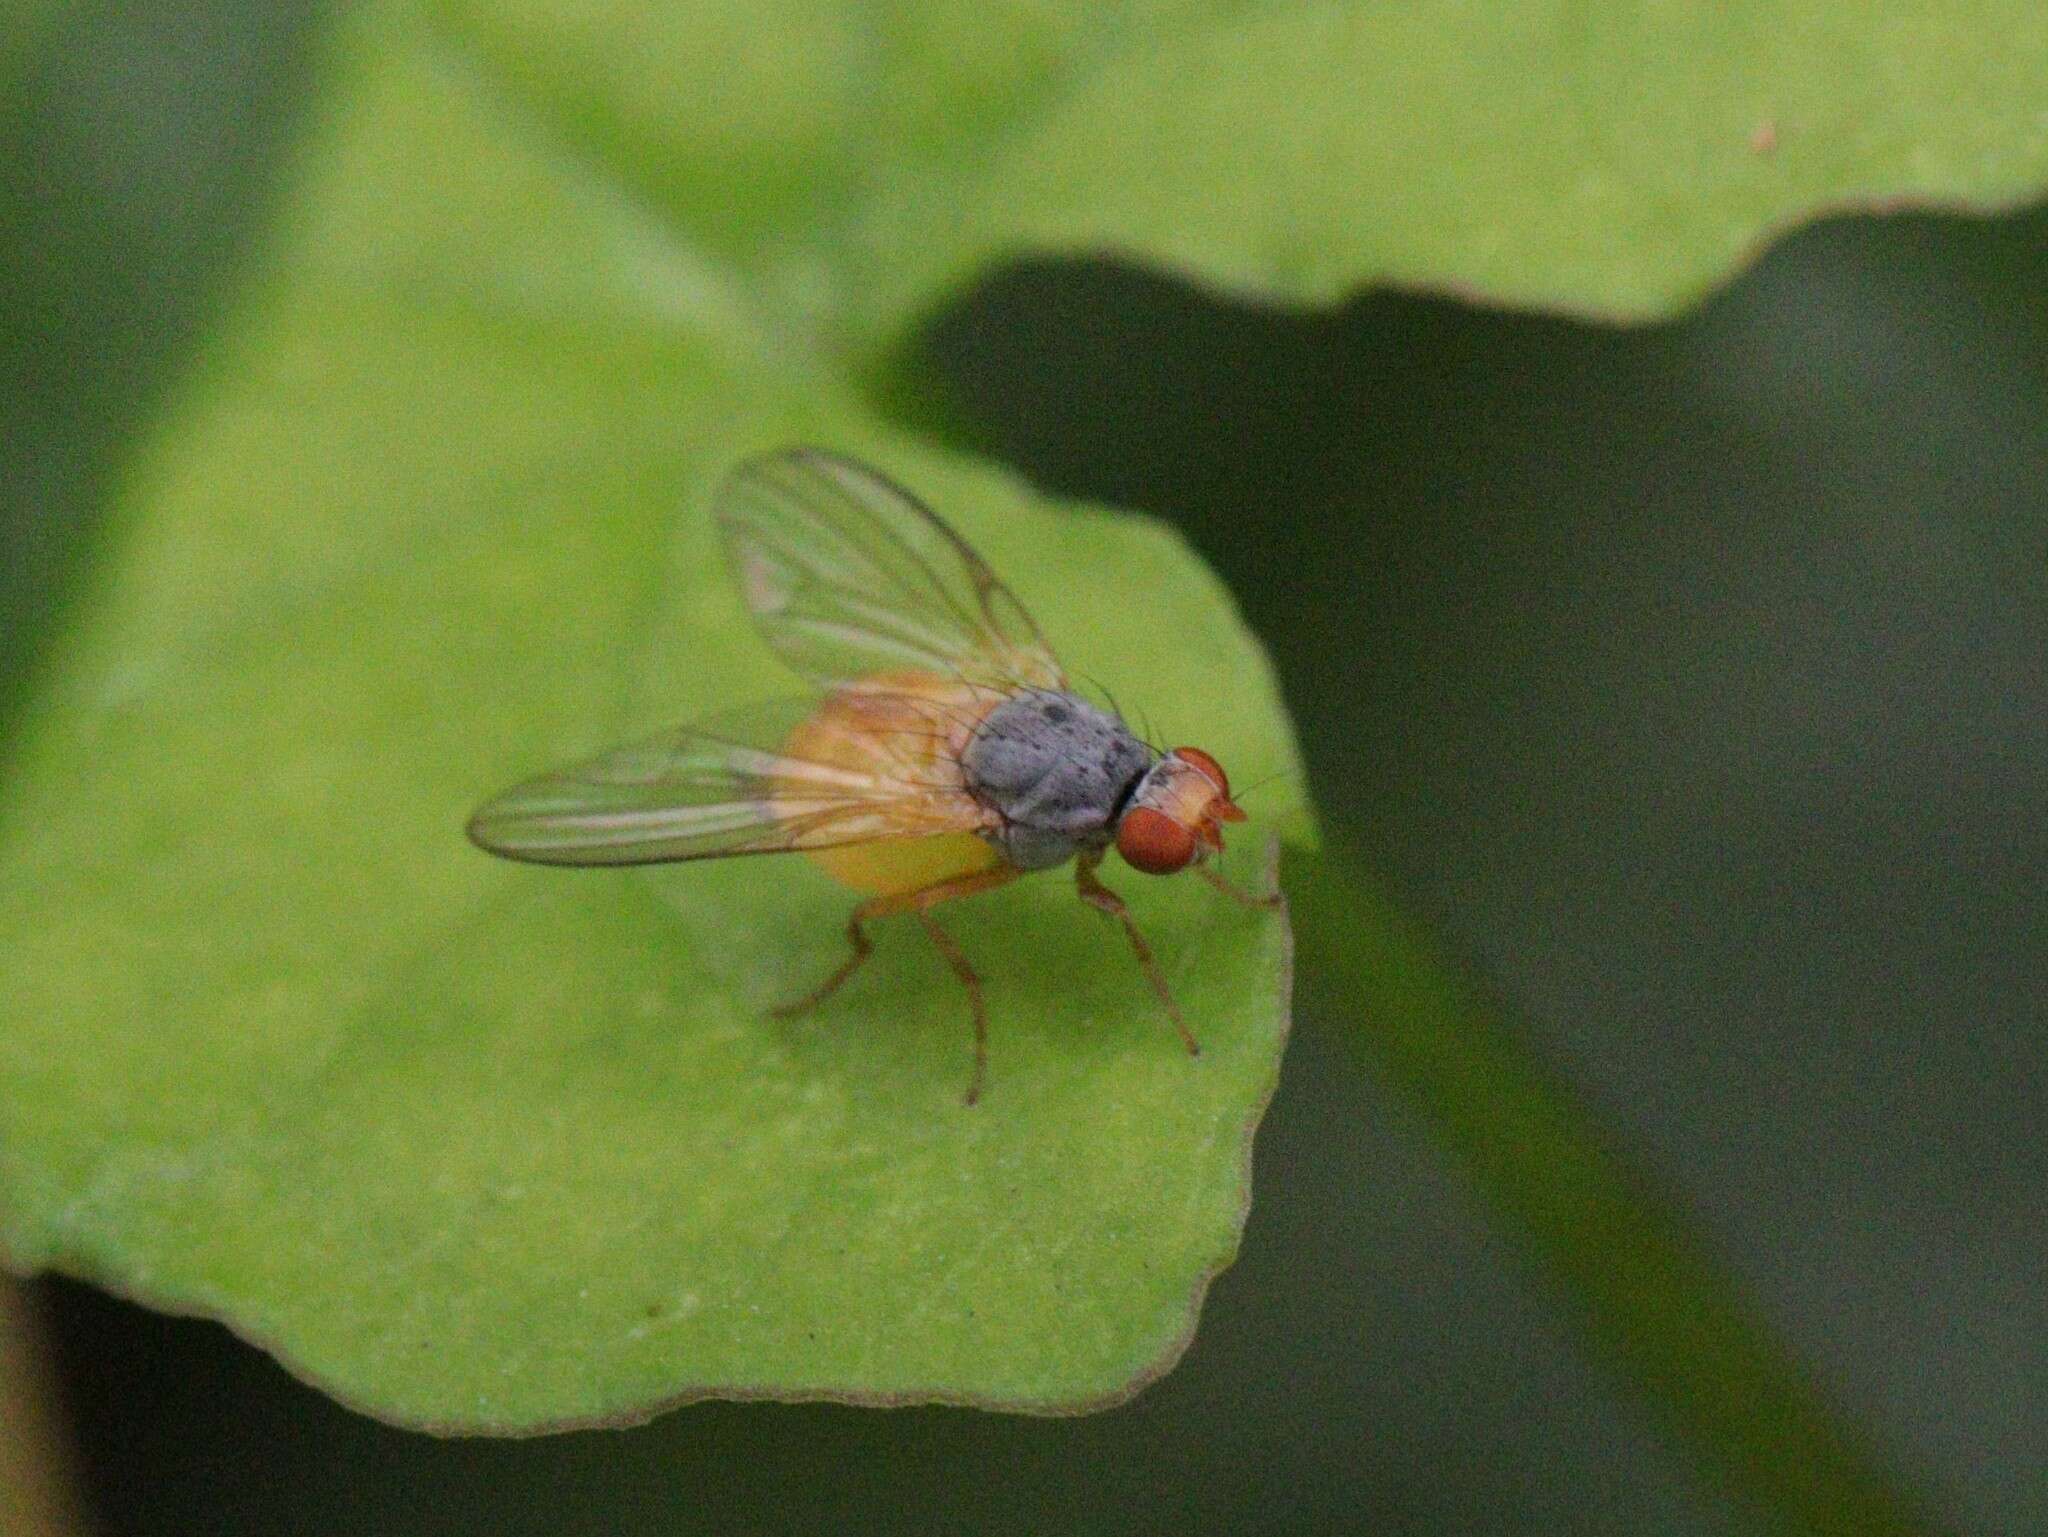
[[1623, 1254]]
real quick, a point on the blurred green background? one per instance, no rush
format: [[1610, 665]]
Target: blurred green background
[[1693, 681]]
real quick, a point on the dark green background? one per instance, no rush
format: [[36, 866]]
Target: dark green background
[[1693, 681]]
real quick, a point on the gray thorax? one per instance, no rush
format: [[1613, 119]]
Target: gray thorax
[[1055, 768]]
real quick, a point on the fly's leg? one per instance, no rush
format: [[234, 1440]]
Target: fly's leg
[[1102, 899], [920, 902], [971, 980], [863, 947], [1237, 893]]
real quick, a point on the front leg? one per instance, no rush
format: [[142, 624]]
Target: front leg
[[1102, 899], [1237, 893]]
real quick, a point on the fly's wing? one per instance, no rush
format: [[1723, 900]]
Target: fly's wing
[[726, 786], [849, 576]]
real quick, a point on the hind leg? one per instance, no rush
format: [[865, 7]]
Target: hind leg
[[971, 980], [920, 902]]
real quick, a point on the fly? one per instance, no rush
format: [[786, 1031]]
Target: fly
[[939, 753]]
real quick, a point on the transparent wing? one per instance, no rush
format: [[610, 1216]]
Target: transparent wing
[[849, 576], [729, 786]]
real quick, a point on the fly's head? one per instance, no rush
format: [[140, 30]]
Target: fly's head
[[1176, 814]]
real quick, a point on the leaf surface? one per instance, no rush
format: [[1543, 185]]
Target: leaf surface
[[480, 1146]]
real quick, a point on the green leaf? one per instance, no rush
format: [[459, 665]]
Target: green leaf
[[1559, 153], [483, 1146], [137, 145]]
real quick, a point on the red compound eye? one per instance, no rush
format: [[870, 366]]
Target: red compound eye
[[1207, 765], [1153, 842]]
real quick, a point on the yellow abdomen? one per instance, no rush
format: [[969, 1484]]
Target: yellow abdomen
[[908, 730]]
